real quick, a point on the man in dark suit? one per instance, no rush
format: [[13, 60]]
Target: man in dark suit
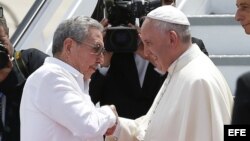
[[241, 110]]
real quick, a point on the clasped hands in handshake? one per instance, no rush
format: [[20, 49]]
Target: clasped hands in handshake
[[111, 130]]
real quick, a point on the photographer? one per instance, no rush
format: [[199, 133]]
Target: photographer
[[14, 70], [128, 80]]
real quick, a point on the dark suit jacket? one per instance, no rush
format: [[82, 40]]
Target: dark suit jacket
[[241, 110]]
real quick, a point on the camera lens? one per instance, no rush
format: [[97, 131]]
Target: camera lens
[[121, 38]]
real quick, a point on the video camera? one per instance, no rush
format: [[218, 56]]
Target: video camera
[[4, 58], [119, 37]]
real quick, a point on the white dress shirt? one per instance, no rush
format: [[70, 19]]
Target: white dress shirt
[[193, 104], [56, 106]]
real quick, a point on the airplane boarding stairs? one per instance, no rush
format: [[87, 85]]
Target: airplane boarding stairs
[[225, 40], [211, 20]]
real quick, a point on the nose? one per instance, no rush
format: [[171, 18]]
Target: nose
[[238, 16], [101, 57], [146, 52]]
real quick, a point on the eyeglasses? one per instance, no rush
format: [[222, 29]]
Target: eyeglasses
[[98, 48]]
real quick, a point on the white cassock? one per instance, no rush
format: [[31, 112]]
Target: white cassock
[[193, 104]]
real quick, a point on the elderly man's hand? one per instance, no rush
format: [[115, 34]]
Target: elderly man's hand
[[111, 130]]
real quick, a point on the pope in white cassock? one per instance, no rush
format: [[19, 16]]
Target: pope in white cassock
[[194, 102]]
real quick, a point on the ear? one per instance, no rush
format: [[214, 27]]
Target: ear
[[173, 37], [67, 45]]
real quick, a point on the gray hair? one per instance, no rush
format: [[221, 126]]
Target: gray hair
[[183, 31], [76, 28]]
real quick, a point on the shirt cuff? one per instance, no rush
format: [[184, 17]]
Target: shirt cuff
[[113, 118]]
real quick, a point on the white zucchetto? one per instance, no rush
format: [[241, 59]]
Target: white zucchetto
[[169, 13]]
